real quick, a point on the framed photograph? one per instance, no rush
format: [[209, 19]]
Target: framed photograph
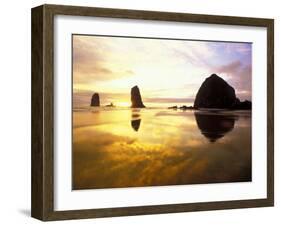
[[142, 112]]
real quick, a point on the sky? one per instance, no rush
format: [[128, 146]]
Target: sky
[[166, 71]]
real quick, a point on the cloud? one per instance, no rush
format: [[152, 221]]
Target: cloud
[[87, 73], [243, 48], [169, 100], [162, 68], [230, 68], [194, 52], [90, 62], [85, 51], [239, 76]]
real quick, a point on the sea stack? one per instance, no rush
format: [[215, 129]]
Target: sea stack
[[136, 98], [95, 102], [215, 93]]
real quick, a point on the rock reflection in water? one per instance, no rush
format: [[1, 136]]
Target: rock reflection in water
[[214, 125], [112, 150], [136, 120]]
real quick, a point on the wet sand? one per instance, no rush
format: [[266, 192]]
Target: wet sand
[[123, 147]]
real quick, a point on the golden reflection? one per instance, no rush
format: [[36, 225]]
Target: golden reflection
[[136, 119], [162, 148]]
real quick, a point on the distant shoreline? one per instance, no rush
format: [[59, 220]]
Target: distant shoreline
[[156, 107]]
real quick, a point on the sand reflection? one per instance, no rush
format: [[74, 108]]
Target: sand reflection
[[159, 147], [136, 119], [214, 125]]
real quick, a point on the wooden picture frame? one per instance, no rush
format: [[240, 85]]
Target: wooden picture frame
[[42, 205]]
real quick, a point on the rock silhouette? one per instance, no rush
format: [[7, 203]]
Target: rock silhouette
[[245, 105], [136, 124], [215, 93], [184, 107], [173, 107], [136, 98], [136, 119], [95, 102], [214, 126], [110, 105]]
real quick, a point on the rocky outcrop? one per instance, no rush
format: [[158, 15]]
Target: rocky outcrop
[[245, 105], [136, 98], [95, 102], [110, 105], [217, 93], [184, 107]]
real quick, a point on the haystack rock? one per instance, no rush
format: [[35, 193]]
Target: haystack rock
[[215, 93], [95, 102], [136, 98]]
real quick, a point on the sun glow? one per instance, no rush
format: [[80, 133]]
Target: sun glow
[[162, 69], [123, 104]]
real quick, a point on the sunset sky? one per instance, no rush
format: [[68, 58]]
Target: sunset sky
[[166, 71]]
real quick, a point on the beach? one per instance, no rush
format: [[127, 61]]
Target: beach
[[117, 147]]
